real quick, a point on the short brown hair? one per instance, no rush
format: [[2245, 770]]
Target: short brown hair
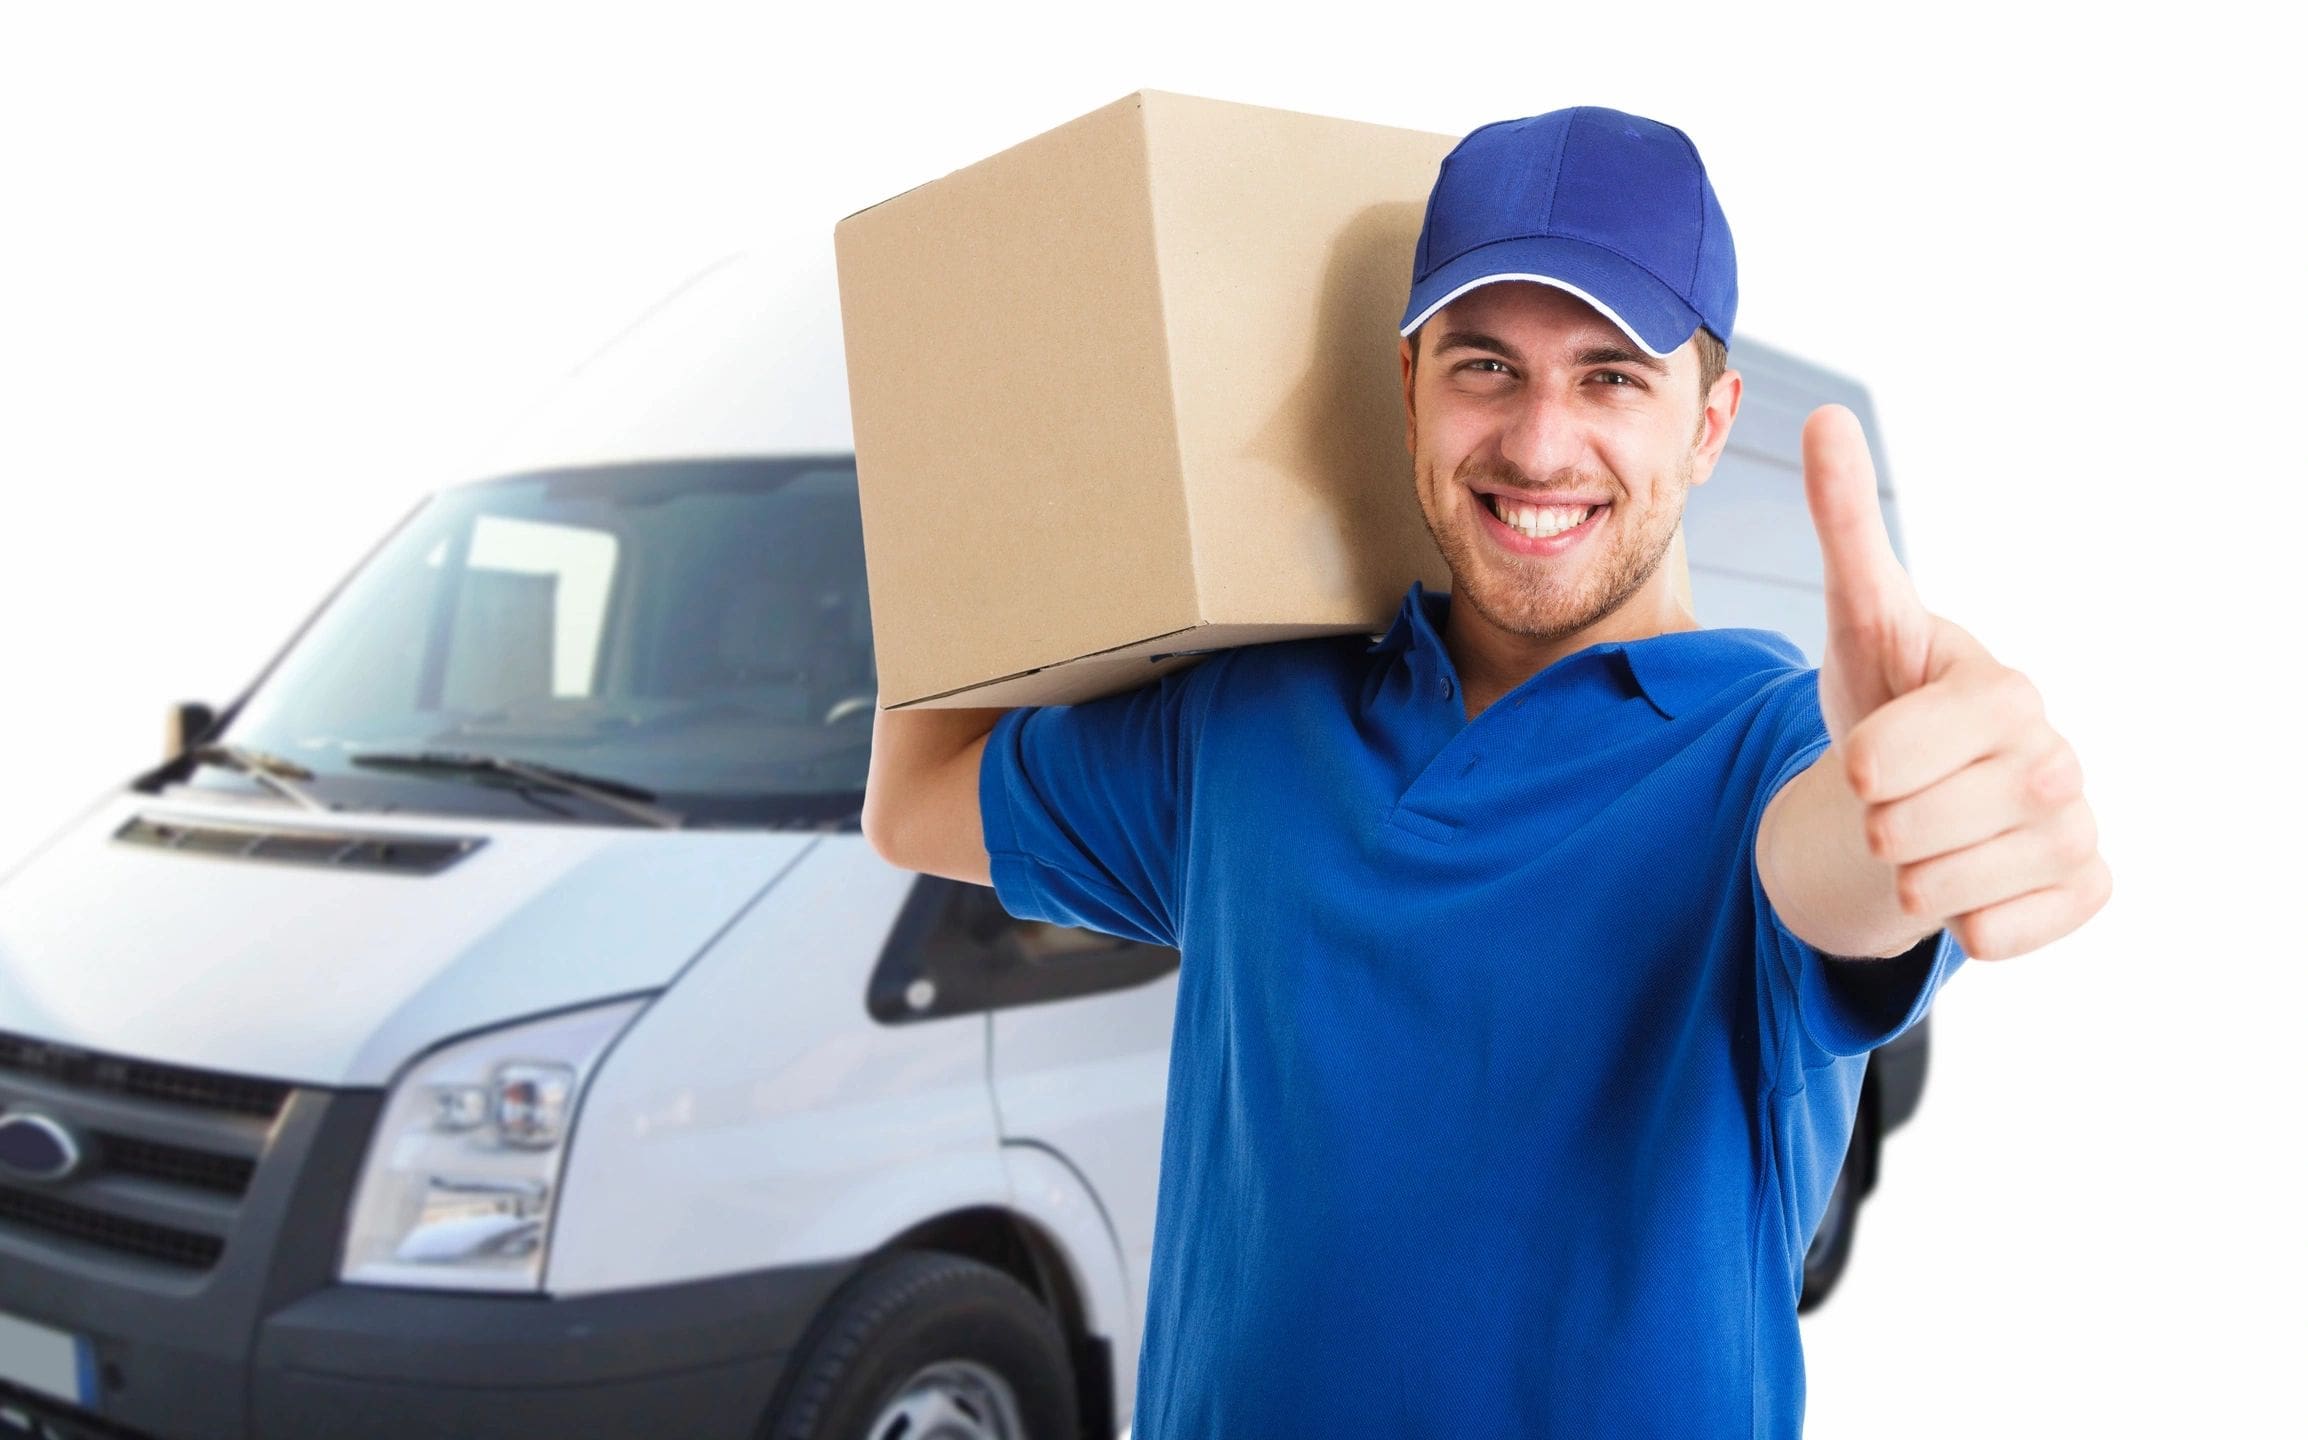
[[1714, 359]]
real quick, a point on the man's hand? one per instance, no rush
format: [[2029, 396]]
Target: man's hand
[[1944, 798]]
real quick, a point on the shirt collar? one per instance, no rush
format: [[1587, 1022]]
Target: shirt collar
[[1676, 672], [1420, 611]]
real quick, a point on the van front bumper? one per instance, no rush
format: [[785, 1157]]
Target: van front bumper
[[698, 1360]]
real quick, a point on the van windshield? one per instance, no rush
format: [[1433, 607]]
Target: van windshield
[[697, 629]]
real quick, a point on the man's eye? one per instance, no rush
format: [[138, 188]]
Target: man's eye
[[1500, 363], [1615, 375]]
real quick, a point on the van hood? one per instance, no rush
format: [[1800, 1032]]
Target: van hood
[[241, 936]]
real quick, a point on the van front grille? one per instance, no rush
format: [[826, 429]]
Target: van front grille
[[170, 1084], [224, 1174], [166, 1244], [166, 1155]]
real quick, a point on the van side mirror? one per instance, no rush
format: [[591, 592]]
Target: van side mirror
[[188, 720]]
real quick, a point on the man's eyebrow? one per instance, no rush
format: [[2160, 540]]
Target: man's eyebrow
[[1476, 340], [1620, 355]]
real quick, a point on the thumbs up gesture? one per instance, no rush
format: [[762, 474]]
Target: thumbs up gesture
[[1965, 799]]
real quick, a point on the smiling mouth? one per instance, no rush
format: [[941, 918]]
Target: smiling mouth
[[1536, 522]]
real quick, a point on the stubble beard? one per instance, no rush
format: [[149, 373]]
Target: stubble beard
[[1527, 597]]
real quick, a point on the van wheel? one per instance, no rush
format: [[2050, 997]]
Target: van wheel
[[928, 1346]]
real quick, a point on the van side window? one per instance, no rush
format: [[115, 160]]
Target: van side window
[[955, 951]]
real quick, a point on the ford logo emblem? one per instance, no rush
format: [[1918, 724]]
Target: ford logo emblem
[[34, 1147]]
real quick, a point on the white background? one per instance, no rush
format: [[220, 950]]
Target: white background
[[264, 276]]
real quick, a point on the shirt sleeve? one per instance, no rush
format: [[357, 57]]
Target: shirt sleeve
[[1084, 806], [1842, 1006]]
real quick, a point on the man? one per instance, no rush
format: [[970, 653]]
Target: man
[[1531, 955]]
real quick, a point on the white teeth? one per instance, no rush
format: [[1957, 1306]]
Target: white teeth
[[1539, 522]]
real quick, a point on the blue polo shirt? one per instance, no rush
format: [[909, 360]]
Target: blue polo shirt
[[1500, 1102]]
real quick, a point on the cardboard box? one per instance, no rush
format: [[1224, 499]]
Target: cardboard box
[[1129, 392]]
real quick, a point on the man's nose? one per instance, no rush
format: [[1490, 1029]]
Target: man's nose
[[1543, 437]]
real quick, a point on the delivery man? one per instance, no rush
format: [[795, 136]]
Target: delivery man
[[1530, 955]]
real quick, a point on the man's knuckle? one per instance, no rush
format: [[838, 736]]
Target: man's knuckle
[[2016, 697], [1914, 893], [2054, 778], [1859, 765], [2079, 836], [2058, 847]]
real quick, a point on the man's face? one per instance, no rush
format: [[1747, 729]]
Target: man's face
[[1526, 394]]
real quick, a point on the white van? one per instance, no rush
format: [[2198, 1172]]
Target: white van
[[493, 1022]]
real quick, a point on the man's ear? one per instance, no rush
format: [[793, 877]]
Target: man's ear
[[1409, 405], [1715, 425]]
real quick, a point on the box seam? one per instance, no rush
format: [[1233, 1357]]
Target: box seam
[[1169, 366]]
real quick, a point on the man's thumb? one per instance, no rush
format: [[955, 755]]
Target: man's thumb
[[1861, 571]]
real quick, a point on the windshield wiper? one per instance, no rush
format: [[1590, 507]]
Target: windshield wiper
[[270, 771], [616, 795]]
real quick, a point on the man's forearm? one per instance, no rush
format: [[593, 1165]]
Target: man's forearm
[[1811, 852]]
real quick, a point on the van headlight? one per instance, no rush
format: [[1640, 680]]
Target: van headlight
[[458, 1189]]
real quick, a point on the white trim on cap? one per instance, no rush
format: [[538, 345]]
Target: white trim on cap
[[1608, 312]]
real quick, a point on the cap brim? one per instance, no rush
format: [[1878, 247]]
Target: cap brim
[[1626, 294]]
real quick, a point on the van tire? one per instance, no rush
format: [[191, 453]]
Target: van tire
[[906, 1312]]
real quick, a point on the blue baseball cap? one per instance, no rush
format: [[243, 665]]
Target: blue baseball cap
[[1612, 207]]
